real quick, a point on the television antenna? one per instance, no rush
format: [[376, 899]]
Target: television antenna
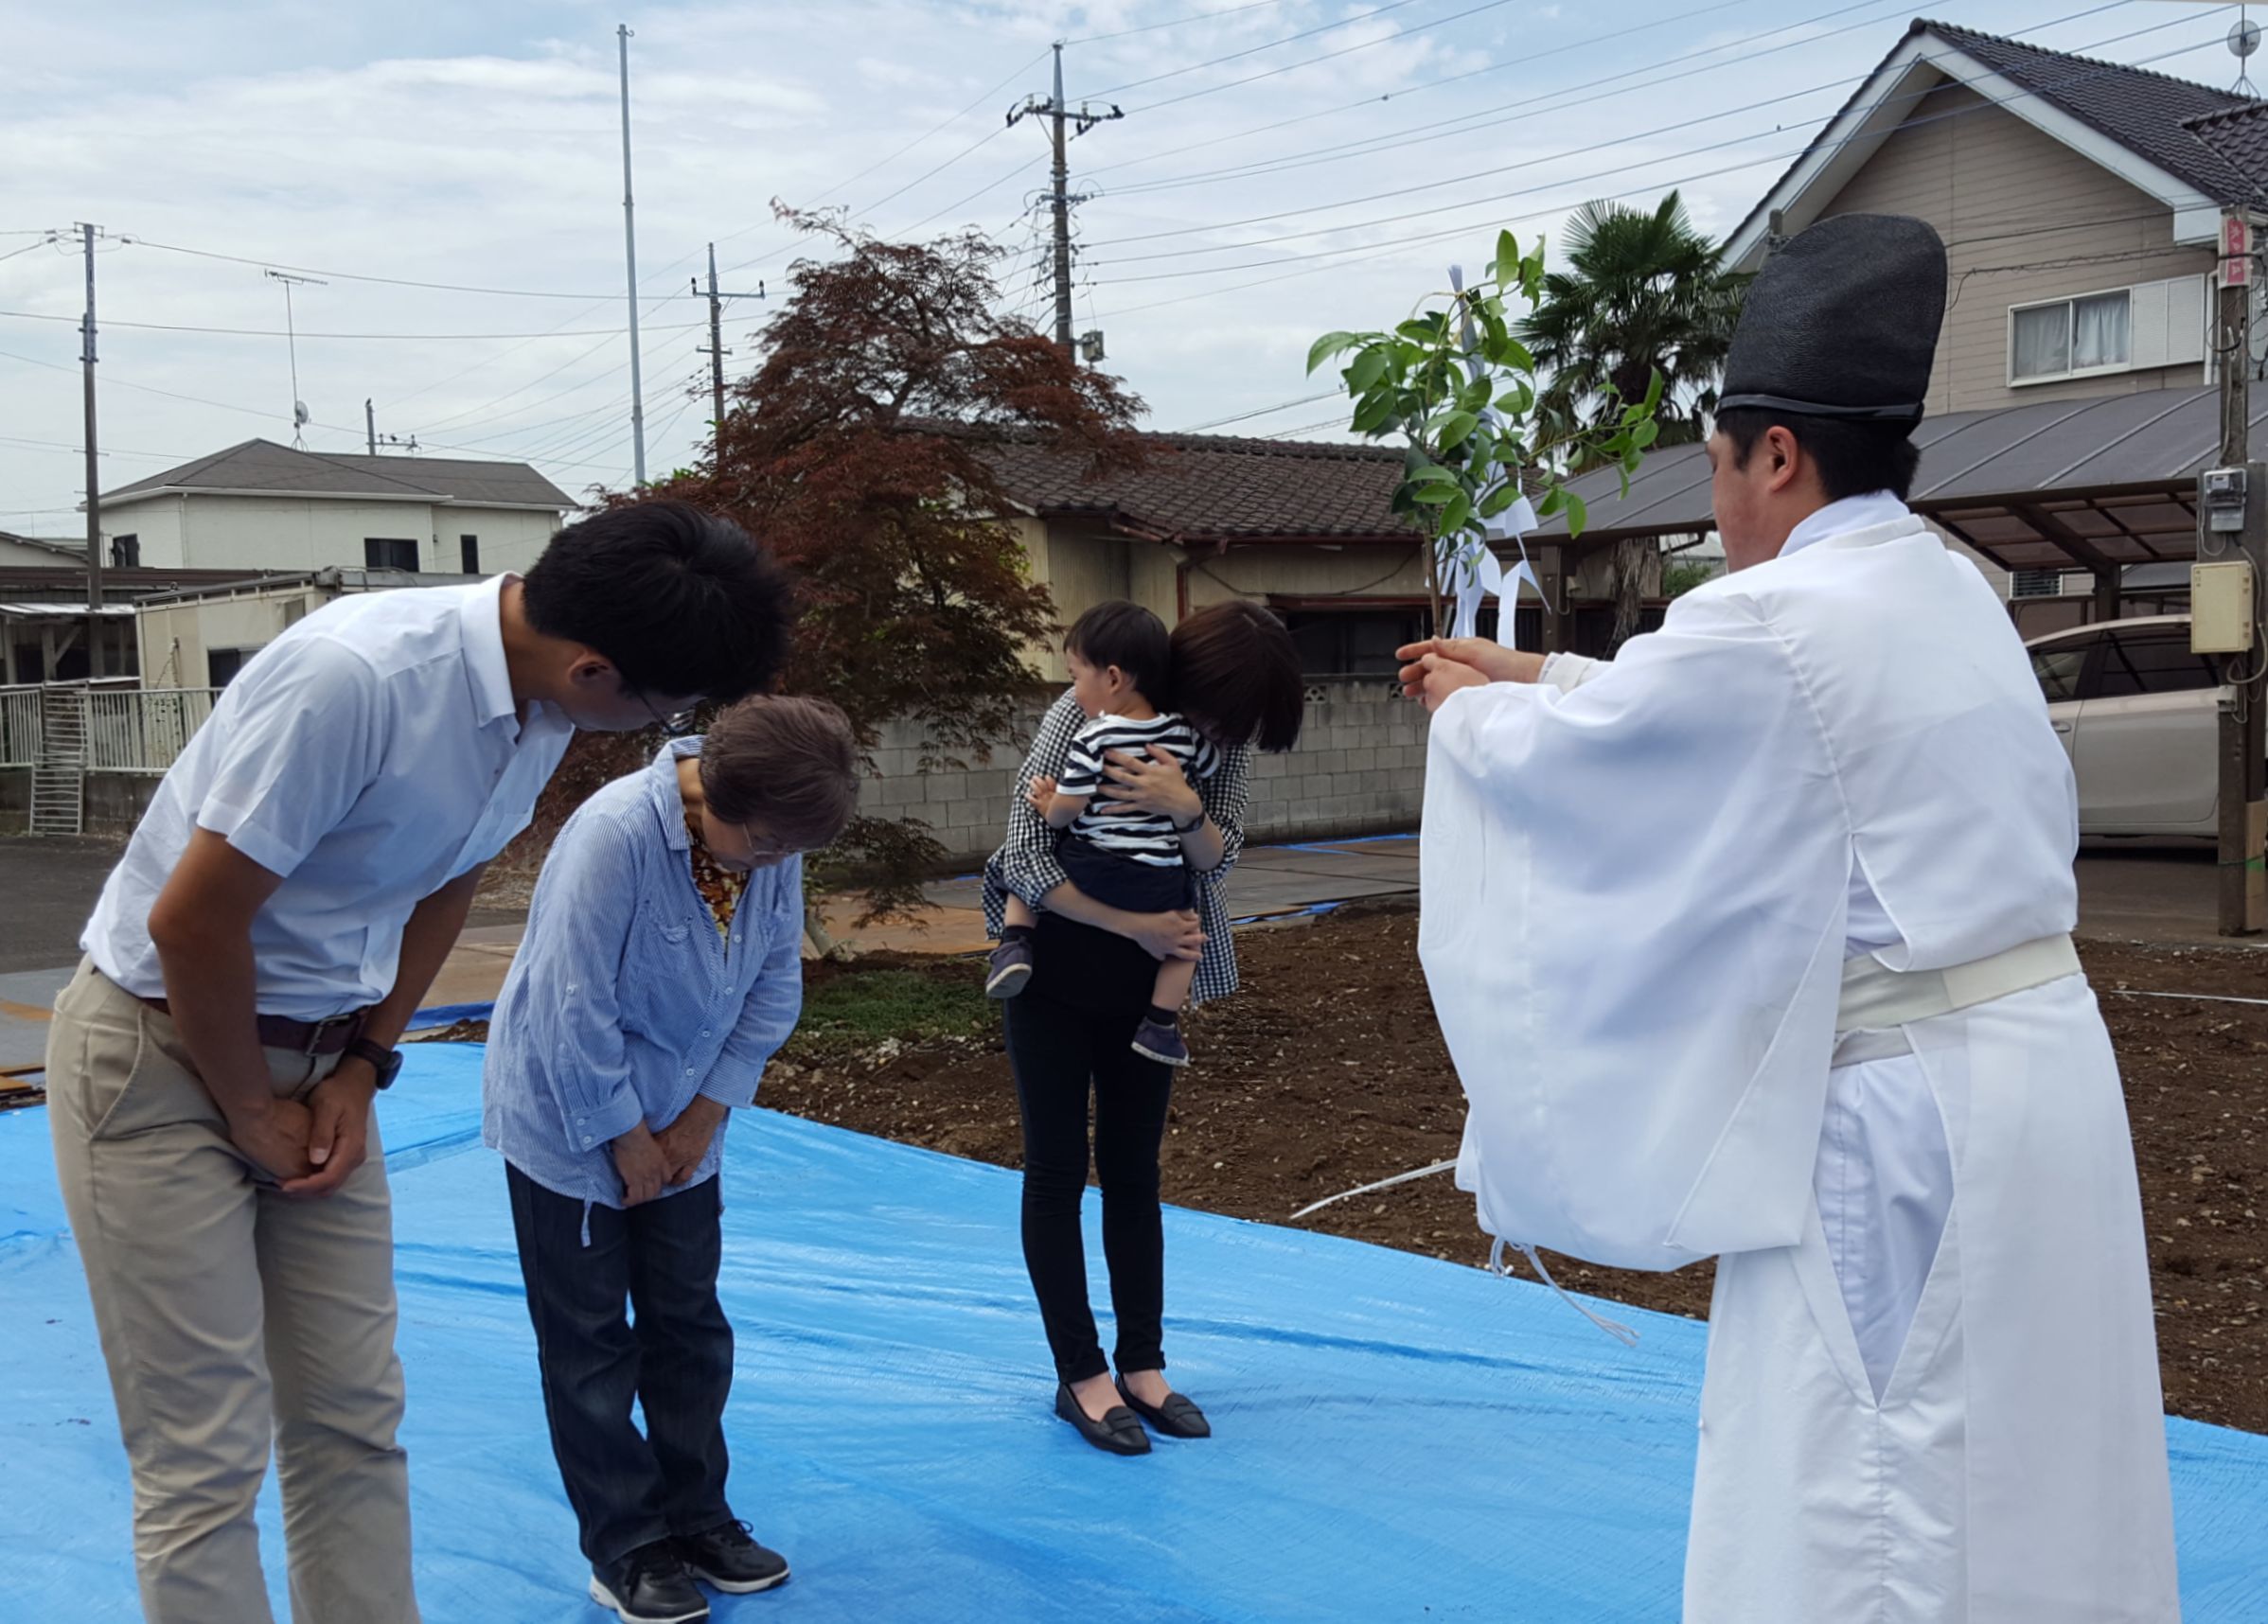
[[299, 410], [2243, 39]]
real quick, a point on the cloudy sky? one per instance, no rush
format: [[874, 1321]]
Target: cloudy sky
[[1284, 168]]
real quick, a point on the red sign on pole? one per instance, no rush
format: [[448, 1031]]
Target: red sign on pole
[[2236, 251]]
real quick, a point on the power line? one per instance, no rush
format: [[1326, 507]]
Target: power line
[[1572, 152], [1175, 22], [278, 332], [1256, 50], [1327, 56], [1748, 163], [1260, 411], [364, 277], [1467, 124]]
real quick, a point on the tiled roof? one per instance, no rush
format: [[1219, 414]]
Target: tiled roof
[[264, 465], [1211, 487], [2142, 111], [2240, 138]]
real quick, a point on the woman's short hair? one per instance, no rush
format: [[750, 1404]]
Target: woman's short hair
[[787, 764], [1236, 677]]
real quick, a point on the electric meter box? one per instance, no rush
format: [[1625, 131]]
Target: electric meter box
[[2221, 608], [2220, 493]]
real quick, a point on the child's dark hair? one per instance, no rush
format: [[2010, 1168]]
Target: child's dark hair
[[1236, 677], [1129, 637], [679, 601]]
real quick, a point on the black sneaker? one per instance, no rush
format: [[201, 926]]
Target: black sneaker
[[1010, 967], [728, 1559], [1155, 1040], [649, 1586]]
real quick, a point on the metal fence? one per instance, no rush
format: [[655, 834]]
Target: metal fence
[[143, 730], [19, 726], [128, 730]]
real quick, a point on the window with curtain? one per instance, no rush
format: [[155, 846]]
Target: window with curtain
[[2071, 336], [2043, 342], [2100, 327]]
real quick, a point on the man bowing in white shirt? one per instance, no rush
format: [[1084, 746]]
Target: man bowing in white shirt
[[1755, 943], [301, 872]]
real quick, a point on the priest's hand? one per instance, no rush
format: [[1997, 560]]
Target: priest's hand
[[1436, 678], [1496, 662]]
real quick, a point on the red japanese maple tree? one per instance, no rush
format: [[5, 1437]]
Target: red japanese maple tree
[[856, 451]]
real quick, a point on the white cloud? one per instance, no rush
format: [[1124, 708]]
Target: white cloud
[[478, 145]]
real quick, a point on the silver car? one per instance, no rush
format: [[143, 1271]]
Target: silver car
[[2139, 715]]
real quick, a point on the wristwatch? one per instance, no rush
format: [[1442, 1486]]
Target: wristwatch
[[385, 1061], [1192, 825]]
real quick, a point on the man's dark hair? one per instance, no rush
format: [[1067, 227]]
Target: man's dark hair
[[679, 601], [1236, 677], [788, 765], [1854, 458], [1129, 637]]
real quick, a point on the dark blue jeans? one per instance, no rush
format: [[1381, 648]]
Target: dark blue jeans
[[630, 1489]]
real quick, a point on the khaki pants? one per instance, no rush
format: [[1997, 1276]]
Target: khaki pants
[[231, 1316]]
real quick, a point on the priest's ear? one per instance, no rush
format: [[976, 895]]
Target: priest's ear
[[1783, 459]]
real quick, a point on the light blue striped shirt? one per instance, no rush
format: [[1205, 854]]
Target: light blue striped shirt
[[625, 1001]]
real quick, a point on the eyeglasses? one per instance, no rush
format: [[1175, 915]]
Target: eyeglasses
[[772, 853], [677, 724]]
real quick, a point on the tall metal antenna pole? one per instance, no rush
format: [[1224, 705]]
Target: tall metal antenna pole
[[299, 411], [629, 255]]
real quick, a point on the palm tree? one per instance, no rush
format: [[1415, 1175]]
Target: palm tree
[[1642, 293]]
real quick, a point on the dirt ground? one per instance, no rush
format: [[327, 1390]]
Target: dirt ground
[[1326, 1071]]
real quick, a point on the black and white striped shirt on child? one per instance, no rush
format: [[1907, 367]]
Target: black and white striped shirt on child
[[1145, 836]]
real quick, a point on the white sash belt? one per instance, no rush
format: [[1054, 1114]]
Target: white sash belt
[[1877, 999]]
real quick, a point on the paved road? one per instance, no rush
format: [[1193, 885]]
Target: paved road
[[2161, 892]]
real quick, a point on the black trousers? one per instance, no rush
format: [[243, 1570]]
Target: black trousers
[[630, 1489], [1057, 1050]]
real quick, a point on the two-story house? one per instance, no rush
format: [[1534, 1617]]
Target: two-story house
[[2072, 405], [259, 507]]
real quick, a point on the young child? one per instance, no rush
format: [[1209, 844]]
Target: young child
[[1118, 656]]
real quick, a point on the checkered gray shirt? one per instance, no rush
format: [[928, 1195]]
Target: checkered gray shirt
[[1026, 863]]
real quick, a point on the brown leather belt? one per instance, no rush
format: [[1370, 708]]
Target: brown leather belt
[[316, 1037]]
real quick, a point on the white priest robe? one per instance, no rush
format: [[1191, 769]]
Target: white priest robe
[[1932, 1388]]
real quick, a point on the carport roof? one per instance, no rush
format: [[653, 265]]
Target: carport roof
[[2053, 484]]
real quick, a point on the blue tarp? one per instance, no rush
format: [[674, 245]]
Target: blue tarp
[[1398, 1437]]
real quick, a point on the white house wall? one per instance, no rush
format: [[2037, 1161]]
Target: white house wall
[[292, 535]]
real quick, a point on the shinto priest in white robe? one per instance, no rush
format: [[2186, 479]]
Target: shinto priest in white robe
[[1931, 1373], [1932, 1389]]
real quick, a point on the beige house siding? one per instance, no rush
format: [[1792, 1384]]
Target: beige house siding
[[2003, 195]]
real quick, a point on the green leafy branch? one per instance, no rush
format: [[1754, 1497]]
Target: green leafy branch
[[1460, 390]]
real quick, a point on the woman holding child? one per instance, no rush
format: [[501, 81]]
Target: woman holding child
[[1107, 898]]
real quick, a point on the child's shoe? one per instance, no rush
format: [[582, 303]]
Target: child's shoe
[[1156, 1040], [1009, 968]]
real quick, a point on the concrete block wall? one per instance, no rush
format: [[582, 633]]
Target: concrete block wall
[[1359, 769]]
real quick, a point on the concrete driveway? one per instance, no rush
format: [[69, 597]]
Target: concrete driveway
[[2154, 891]]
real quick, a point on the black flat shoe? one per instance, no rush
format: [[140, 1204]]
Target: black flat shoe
[[1119, 1432], [1175, 1418]]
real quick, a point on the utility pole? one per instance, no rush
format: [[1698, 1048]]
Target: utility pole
[[86, 358], [1060, 197], [630, 254], [2225, 597], [716, 352], [375, 439]]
